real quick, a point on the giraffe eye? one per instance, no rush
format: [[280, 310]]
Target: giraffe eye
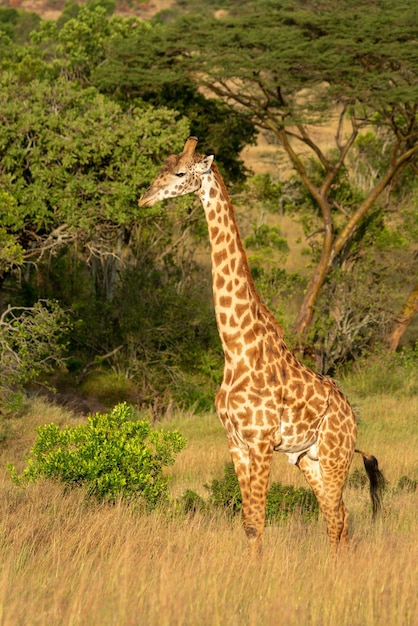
[[180, 174]]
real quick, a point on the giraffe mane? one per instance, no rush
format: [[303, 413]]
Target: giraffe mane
[[250, 280]]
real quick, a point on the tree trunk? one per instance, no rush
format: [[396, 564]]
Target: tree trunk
[[403, 319], [307, 308]]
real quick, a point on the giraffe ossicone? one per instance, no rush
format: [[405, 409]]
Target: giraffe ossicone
[[268, 400]]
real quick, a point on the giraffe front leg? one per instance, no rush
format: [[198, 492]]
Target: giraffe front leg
[[252, 466]]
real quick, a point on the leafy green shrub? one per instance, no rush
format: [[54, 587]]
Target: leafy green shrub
[[282, 500], [225, 492], [286, 500], [112, 455], [191, 502]]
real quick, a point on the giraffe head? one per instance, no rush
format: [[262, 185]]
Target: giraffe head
[[180, 175]]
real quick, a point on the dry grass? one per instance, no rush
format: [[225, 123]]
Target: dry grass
[[69, 562]]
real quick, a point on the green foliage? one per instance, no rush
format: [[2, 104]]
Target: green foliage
[[266, 238], [72, 158], [32, 342], [165, 331], [16, 24], [353, 312], [112, 456], [350, 48], [127, 59], [146, 64], [225, 492], [11, 252], [286, 500], [282, 500], [266, 191], [191, 502]]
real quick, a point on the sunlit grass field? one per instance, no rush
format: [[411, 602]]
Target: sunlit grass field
[[68, 561]]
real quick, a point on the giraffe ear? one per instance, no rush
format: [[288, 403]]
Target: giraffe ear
[[204, 164]]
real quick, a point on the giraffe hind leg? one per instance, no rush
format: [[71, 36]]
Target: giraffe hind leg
[[328, 487]]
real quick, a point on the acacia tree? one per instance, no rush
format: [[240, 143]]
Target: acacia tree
[[296, 65], [127, 59]]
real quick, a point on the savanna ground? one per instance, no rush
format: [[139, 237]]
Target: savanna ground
[[65, 560]]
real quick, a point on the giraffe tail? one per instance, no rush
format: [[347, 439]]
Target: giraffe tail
[[377, 481]]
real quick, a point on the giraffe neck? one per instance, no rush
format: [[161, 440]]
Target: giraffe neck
[[237, 304]]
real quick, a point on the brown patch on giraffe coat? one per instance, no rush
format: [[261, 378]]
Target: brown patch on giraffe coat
[[236, 400], [220, 257], [232, 322], [242, 292], [319, 388], [242, 384], [223, 318], [249, 337], [258, 381], [225, 301], [233, 342], [246, 321], [255, 399], [220, 399], [297, 389]]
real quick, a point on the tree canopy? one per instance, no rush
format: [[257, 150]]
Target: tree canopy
[[294, 66]]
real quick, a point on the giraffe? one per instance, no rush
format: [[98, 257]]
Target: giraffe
[[268, 400]]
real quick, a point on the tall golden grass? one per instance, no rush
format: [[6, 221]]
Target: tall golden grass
[[67, 561]]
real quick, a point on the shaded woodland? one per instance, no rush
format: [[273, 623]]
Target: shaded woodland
[[97, 293]]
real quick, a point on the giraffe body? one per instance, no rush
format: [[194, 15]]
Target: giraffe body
[[268, 400]]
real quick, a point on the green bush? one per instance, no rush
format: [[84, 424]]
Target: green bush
[[282, 500], [225, 492], [191, 502], [112, 455], [286, 500]]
